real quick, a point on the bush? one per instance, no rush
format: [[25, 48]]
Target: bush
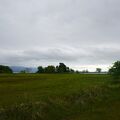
[[5, 69], [115, 70]]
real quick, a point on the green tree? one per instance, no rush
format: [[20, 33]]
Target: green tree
[[61, 68], [5, 69], [98, 70], [77, 71], [50, 69], [40, 69], [115, 70], [71, 71]]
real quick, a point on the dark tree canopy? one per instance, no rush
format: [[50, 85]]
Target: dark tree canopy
[[98, 70], [40, 69], [5, 69], [61, 68], [115, 70], [50, 69]]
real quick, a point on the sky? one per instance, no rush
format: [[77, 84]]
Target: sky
[[83, 34]]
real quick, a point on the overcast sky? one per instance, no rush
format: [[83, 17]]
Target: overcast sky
[[84, 34]]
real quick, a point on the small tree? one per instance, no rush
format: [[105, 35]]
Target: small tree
[[98, 70], [71, 71], [85, 71], [115, 70], [23, 71], [40, 69]]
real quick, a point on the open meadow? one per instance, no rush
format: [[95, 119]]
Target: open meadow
[[59, 97]]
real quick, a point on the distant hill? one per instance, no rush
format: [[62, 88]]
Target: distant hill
[[17, 69]]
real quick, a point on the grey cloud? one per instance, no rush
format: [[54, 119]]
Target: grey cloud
[[73, 31], [89, 56]]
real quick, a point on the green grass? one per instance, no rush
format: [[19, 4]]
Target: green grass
[[58, 97]]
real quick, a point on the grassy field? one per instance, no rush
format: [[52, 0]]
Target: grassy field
[[59, 97]]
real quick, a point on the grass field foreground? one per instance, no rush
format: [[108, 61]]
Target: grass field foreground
[[58, 97]]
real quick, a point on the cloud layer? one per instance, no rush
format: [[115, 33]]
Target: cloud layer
[[77, 32]]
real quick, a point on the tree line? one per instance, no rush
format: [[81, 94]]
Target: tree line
[[114, 71], [61, 68]]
